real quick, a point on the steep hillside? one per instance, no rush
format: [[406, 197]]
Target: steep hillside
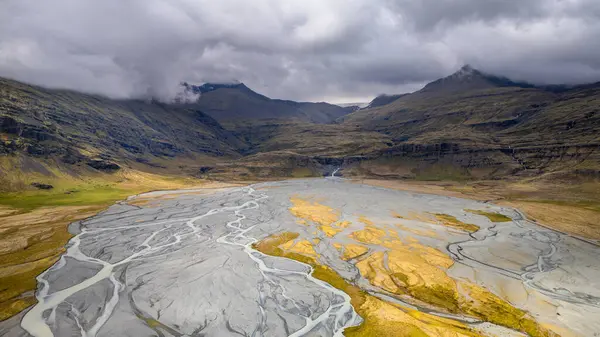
[[309, 139], [382, 100], [467, 125], [237, 102], [101, 134], [489, 126]]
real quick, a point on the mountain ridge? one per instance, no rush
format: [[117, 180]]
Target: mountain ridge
[[467, 122], [236, 102]]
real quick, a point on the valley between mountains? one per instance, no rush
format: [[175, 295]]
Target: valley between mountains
[[468, 208]]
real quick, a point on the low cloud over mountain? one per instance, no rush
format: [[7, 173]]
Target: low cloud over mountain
[[333, 50]]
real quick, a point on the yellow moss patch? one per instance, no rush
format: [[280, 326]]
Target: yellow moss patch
[[408, 272], [15, 305], [379, 318], [343, 224], [352, 251], [366, 221], [335, 228], [329, 230], [428, 218], [303, 247], [432, 255], [156, 325], [269, 244], [397, 215], [412, 269], [494, 217], [482, 303], [453, 222], [421, 232], [369, 234], [373, 269], [313, 211], [387, 319], [420, 271]]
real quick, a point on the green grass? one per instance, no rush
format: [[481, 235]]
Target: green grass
[[85, 195], [72, 190]]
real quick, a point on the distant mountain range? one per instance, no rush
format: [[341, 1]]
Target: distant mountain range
[[469, 124]]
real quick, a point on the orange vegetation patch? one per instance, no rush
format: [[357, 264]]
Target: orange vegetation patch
[[380, 318], [351, 251], [411, 269], [313, 211]]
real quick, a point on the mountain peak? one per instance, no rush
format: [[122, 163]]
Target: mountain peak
[[469, 78], [467, 70], [208, 87]]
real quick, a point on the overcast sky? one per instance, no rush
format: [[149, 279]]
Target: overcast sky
[[314, 50]]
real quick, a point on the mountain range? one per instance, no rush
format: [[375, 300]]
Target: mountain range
[[467, 125]]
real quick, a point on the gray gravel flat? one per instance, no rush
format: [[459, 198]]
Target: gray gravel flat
[[186, 268]]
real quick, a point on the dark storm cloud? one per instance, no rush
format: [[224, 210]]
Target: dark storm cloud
[[306, 50], [428, 14]]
